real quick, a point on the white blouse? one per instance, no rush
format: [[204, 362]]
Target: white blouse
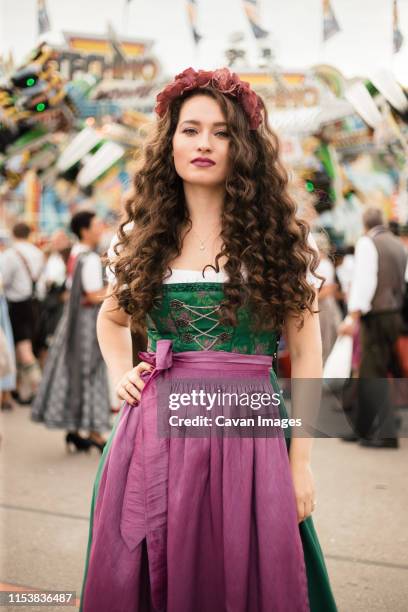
[[196, 276], [179, 275]]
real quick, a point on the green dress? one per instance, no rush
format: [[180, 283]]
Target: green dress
[[187, 315]]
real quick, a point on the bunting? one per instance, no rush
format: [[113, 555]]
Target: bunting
[[42, 16], [192, 17], [330, 23], [115, 44], [397, 37], [252, 13]]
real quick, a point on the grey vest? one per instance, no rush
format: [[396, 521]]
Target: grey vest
[[392, 261]]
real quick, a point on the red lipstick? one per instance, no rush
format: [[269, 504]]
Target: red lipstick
[[203, 162]]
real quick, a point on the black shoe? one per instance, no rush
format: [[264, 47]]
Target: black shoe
[[6, 406], [99, 445], [22, 401], [385, 443], [74, 439], [350, 438]]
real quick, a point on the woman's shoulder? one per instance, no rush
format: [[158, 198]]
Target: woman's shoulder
[[112, 254], [116, 238]]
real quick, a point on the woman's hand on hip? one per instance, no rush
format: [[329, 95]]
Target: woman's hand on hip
[[304, 489], [132, 384]]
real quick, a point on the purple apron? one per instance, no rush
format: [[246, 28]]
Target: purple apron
[[216, 515]]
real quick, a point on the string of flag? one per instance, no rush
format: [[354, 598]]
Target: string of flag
[[397, 37], [330, 24], [42, 18], [192, 17], [251, 9]]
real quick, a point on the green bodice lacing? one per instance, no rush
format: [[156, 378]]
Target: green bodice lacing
[[189, 315]]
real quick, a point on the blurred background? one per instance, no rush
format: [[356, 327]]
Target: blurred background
[[78, 82], [74, 100]]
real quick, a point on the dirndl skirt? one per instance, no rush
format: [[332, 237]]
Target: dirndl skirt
[[183, 524], [52, 404]]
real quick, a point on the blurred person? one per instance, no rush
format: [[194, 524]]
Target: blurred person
[[55, 271], [394, 227], [349, 213], [21, 266], [375, 301], [404, 236], [404, 311], [74, 392], [345, 270], [329, 311], [5, 239], [53, 287], [338, 254], [344, 274], [8, 377]]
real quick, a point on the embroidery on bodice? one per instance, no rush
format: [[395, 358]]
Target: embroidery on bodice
[[189, 315], [188, 319]]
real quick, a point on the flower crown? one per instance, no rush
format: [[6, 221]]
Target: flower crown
[[223, 80]]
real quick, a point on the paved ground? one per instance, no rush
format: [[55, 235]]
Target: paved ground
[[361, 515]]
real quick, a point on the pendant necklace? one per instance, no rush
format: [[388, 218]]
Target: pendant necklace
[[202, 242]]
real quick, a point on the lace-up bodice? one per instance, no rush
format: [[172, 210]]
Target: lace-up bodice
[[188, 315]]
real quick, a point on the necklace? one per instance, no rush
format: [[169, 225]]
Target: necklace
[[202, 242]]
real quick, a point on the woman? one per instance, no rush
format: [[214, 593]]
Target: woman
[[212, 261], [53, 287], [74, 391], [330, 313]]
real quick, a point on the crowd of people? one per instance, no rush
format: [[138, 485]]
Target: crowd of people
[[50, 298], [49, 303], [365, 296]]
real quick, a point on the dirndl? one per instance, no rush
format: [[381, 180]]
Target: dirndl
[[214, 516], [53, 404]]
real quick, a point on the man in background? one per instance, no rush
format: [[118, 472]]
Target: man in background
[[375, 300], [21, 266]]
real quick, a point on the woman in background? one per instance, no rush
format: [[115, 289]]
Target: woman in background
[[74, 392], [329, 311]]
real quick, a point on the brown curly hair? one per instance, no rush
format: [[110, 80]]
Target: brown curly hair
[[260, 230]]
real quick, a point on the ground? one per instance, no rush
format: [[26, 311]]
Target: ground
[[360, 517]]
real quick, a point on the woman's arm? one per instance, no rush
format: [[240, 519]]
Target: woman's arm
[[305, 349], [95, 297], [327, 290], [116, 346]]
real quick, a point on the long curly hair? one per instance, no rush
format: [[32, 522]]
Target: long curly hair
[[265, 244]]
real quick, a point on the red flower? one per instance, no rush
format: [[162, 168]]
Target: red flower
[[226, 81], [203, 78], [223, 80]]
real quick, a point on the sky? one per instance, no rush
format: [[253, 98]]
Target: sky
[[363, 45]]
